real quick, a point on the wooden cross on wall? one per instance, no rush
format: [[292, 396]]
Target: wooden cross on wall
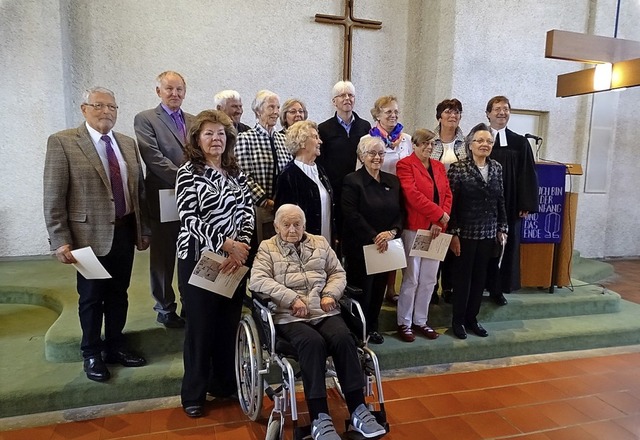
[[348, 21]]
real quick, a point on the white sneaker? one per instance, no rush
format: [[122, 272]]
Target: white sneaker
[[365, 423], [322, 428]]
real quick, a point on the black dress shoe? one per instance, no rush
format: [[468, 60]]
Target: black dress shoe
[[459, 331], [193, 411], [95, 369], [478, 330], [499, 299], [125, 358], [170, 320], [376, 338]]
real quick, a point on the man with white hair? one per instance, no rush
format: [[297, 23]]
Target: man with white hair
[[230, 102], [162, 134], [340, 136]]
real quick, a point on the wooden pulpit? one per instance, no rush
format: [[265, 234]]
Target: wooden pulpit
[[548, 265]]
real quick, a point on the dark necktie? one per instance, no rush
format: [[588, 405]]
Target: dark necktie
[[116, 179], [181, 129]]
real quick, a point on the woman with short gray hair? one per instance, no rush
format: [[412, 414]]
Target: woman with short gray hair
[[304, 183]]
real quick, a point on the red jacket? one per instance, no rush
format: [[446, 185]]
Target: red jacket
[[417, 190]]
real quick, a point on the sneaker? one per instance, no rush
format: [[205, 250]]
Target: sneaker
[[322, 428], [365, 423]]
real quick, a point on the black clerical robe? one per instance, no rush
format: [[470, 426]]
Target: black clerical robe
[[520, 194]]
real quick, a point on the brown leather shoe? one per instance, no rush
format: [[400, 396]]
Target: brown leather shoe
[[426, 331], [405, 333]]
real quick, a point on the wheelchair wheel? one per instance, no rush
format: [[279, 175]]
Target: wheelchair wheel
[[248, 365], [274, 428]]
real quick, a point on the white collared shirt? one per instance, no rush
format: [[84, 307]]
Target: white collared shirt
[[325, 200], [102, 152]]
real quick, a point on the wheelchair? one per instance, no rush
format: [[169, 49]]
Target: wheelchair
[[258, 348]]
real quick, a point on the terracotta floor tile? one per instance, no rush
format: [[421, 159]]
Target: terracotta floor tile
[[477, 401], [611, 430], [543, 391], [533, 436], [402, 388], [587, 385], [499, 377], [562, 413], [452, 428], [235, 431], [572, 433], [596, 408], [151, 436], [199, 433], [623, 401], [417, 430], [446, 383], [222, 411], [38, 433], [442, 405], [527, 420], [631, 424], [535, 372], [512, 396], [126, 425], [489, 425], [407, 410], [170, 419], [82, 430]]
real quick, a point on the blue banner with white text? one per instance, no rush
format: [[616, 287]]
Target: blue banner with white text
[[545, 226]]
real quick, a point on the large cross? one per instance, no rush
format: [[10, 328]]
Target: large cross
[[349, 22]]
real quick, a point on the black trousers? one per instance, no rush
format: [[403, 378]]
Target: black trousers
[[373, 288], [468, 284], [108, 298], [313, 343], [506, 278], [162, 262], [209, 339]]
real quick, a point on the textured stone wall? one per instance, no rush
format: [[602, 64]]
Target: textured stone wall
[[51, 50]]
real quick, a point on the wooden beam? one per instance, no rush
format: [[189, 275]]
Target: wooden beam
[[625, 74], [574, 46], [575, 83]]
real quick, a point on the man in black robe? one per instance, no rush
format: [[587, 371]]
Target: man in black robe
[[520, 194]]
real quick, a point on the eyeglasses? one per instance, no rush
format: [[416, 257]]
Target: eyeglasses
[[346, 95], [483, 141], [426, 144], [452, 111], [373, 154], [295, 112], [392, 112], [505, 109], [99, 106]]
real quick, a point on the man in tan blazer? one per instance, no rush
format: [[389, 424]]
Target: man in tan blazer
[[94, 196], [161, 133]]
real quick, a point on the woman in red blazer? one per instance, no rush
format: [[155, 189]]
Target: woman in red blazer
[[427, 199]]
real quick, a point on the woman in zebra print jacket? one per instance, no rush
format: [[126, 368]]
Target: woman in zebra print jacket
[[216, 213]]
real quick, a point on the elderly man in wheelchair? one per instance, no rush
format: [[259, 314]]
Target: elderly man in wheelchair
[[303, 278]]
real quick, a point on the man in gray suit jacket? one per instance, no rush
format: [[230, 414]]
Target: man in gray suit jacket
[[94, 196], [161, 134]]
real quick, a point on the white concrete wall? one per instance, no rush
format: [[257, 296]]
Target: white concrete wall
[[426, 51]]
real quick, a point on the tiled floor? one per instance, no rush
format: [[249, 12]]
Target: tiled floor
[[587, 398]]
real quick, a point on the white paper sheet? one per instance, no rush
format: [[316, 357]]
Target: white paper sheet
[[433, 248], [393, 259], [207, 275], [168, 205], [88, 264]]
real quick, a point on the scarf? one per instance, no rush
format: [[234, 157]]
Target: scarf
[[391, 140]]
